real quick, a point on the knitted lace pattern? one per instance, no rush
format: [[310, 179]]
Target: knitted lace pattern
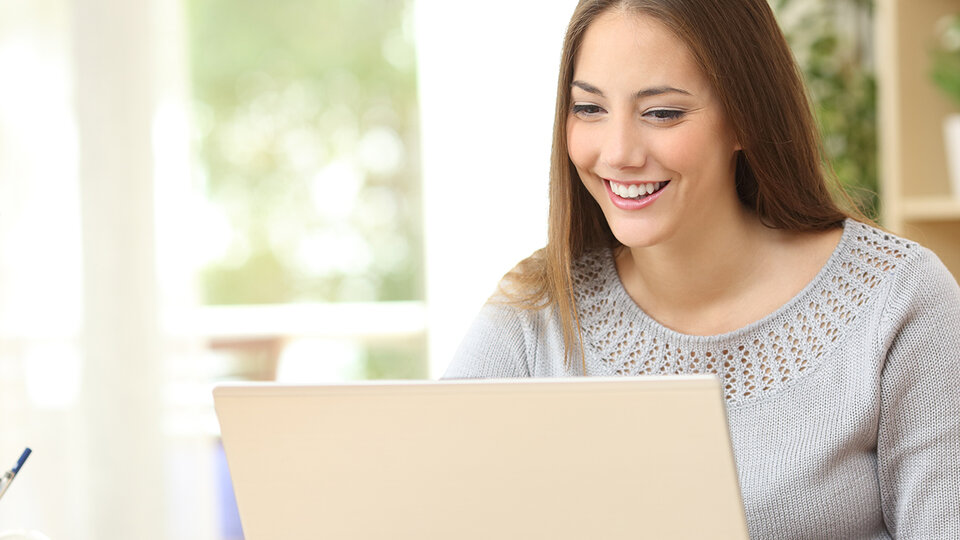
[[763, 357]]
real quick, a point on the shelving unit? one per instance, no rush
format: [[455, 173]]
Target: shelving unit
[[914, 188], [932, 208]]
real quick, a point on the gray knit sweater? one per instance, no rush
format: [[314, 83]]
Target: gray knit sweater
[[844, 405]]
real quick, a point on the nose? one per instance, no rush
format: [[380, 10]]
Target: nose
[[623, 146]]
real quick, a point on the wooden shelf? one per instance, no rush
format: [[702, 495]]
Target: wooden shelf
[[914, 183], [931, 208]]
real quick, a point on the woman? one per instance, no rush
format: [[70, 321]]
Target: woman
[[692, 231]]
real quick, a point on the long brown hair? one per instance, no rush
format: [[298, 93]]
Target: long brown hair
[[781, 173]]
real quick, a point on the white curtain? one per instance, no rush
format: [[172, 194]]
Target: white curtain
[[40, 268], [91, 137]]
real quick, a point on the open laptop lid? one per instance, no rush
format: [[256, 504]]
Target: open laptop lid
[[574, 458]]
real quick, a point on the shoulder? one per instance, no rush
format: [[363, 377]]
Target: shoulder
[[519, 333], [916, 290], [910, 266], [922, 290], [526, 284], [875, 261], [873, 247], [496, 345]]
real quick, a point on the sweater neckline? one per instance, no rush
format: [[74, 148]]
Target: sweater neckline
[[623, 300]]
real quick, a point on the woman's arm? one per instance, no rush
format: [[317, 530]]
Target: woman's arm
[[918, 446]]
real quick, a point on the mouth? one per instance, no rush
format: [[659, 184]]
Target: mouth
[[636, 191]]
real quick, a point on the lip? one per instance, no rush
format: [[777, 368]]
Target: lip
[[632, 204]]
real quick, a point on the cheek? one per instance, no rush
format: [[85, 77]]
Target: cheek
[[578, 145], [693, 151], [682, 154]]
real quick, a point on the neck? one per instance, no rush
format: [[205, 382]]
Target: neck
[[704, 265]]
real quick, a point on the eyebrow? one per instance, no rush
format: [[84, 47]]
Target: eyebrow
[[647, 92]]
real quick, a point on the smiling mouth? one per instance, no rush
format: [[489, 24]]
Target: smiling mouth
[[636, 191]]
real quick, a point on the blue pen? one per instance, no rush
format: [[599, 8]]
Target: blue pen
[[8, 476]]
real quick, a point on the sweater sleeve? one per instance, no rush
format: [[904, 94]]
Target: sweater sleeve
[[918, 439], [494, 347]]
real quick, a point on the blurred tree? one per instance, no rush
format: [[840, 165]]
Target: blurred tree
[[833, 43], [307, 144]]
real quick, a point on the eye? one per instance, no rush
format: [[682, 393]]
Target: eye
[[664, 115], [586, 110]]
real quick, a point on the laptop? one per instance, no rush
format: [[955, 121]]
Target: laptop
[[559, 459]]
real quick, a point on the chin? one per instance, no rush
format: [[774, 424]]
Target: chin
[[638, 235]]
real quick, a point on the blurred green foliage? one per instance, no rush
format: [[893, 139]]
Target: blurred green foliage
[[833, 43], [307, 147], [945, 56]]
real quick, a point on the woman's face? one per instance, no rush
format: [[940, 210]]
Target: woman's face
[[647, 135]]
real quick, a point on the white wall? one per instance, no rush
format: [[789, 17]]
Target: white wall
[[488, 77]]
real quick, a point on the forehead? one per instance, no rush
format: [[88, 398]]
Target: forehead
[[623, 48]]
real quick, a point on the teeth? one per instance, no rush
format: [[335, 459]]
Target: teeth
[[634, 191]]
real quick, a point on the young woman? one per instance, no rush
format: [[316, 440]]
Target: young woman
[[692, 231]]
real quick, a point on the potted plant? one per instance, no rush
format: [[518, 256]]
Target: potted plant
[[946, 75]]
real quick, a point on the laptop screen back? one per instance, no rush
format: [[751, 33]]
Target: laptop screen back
[[561, 459]]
